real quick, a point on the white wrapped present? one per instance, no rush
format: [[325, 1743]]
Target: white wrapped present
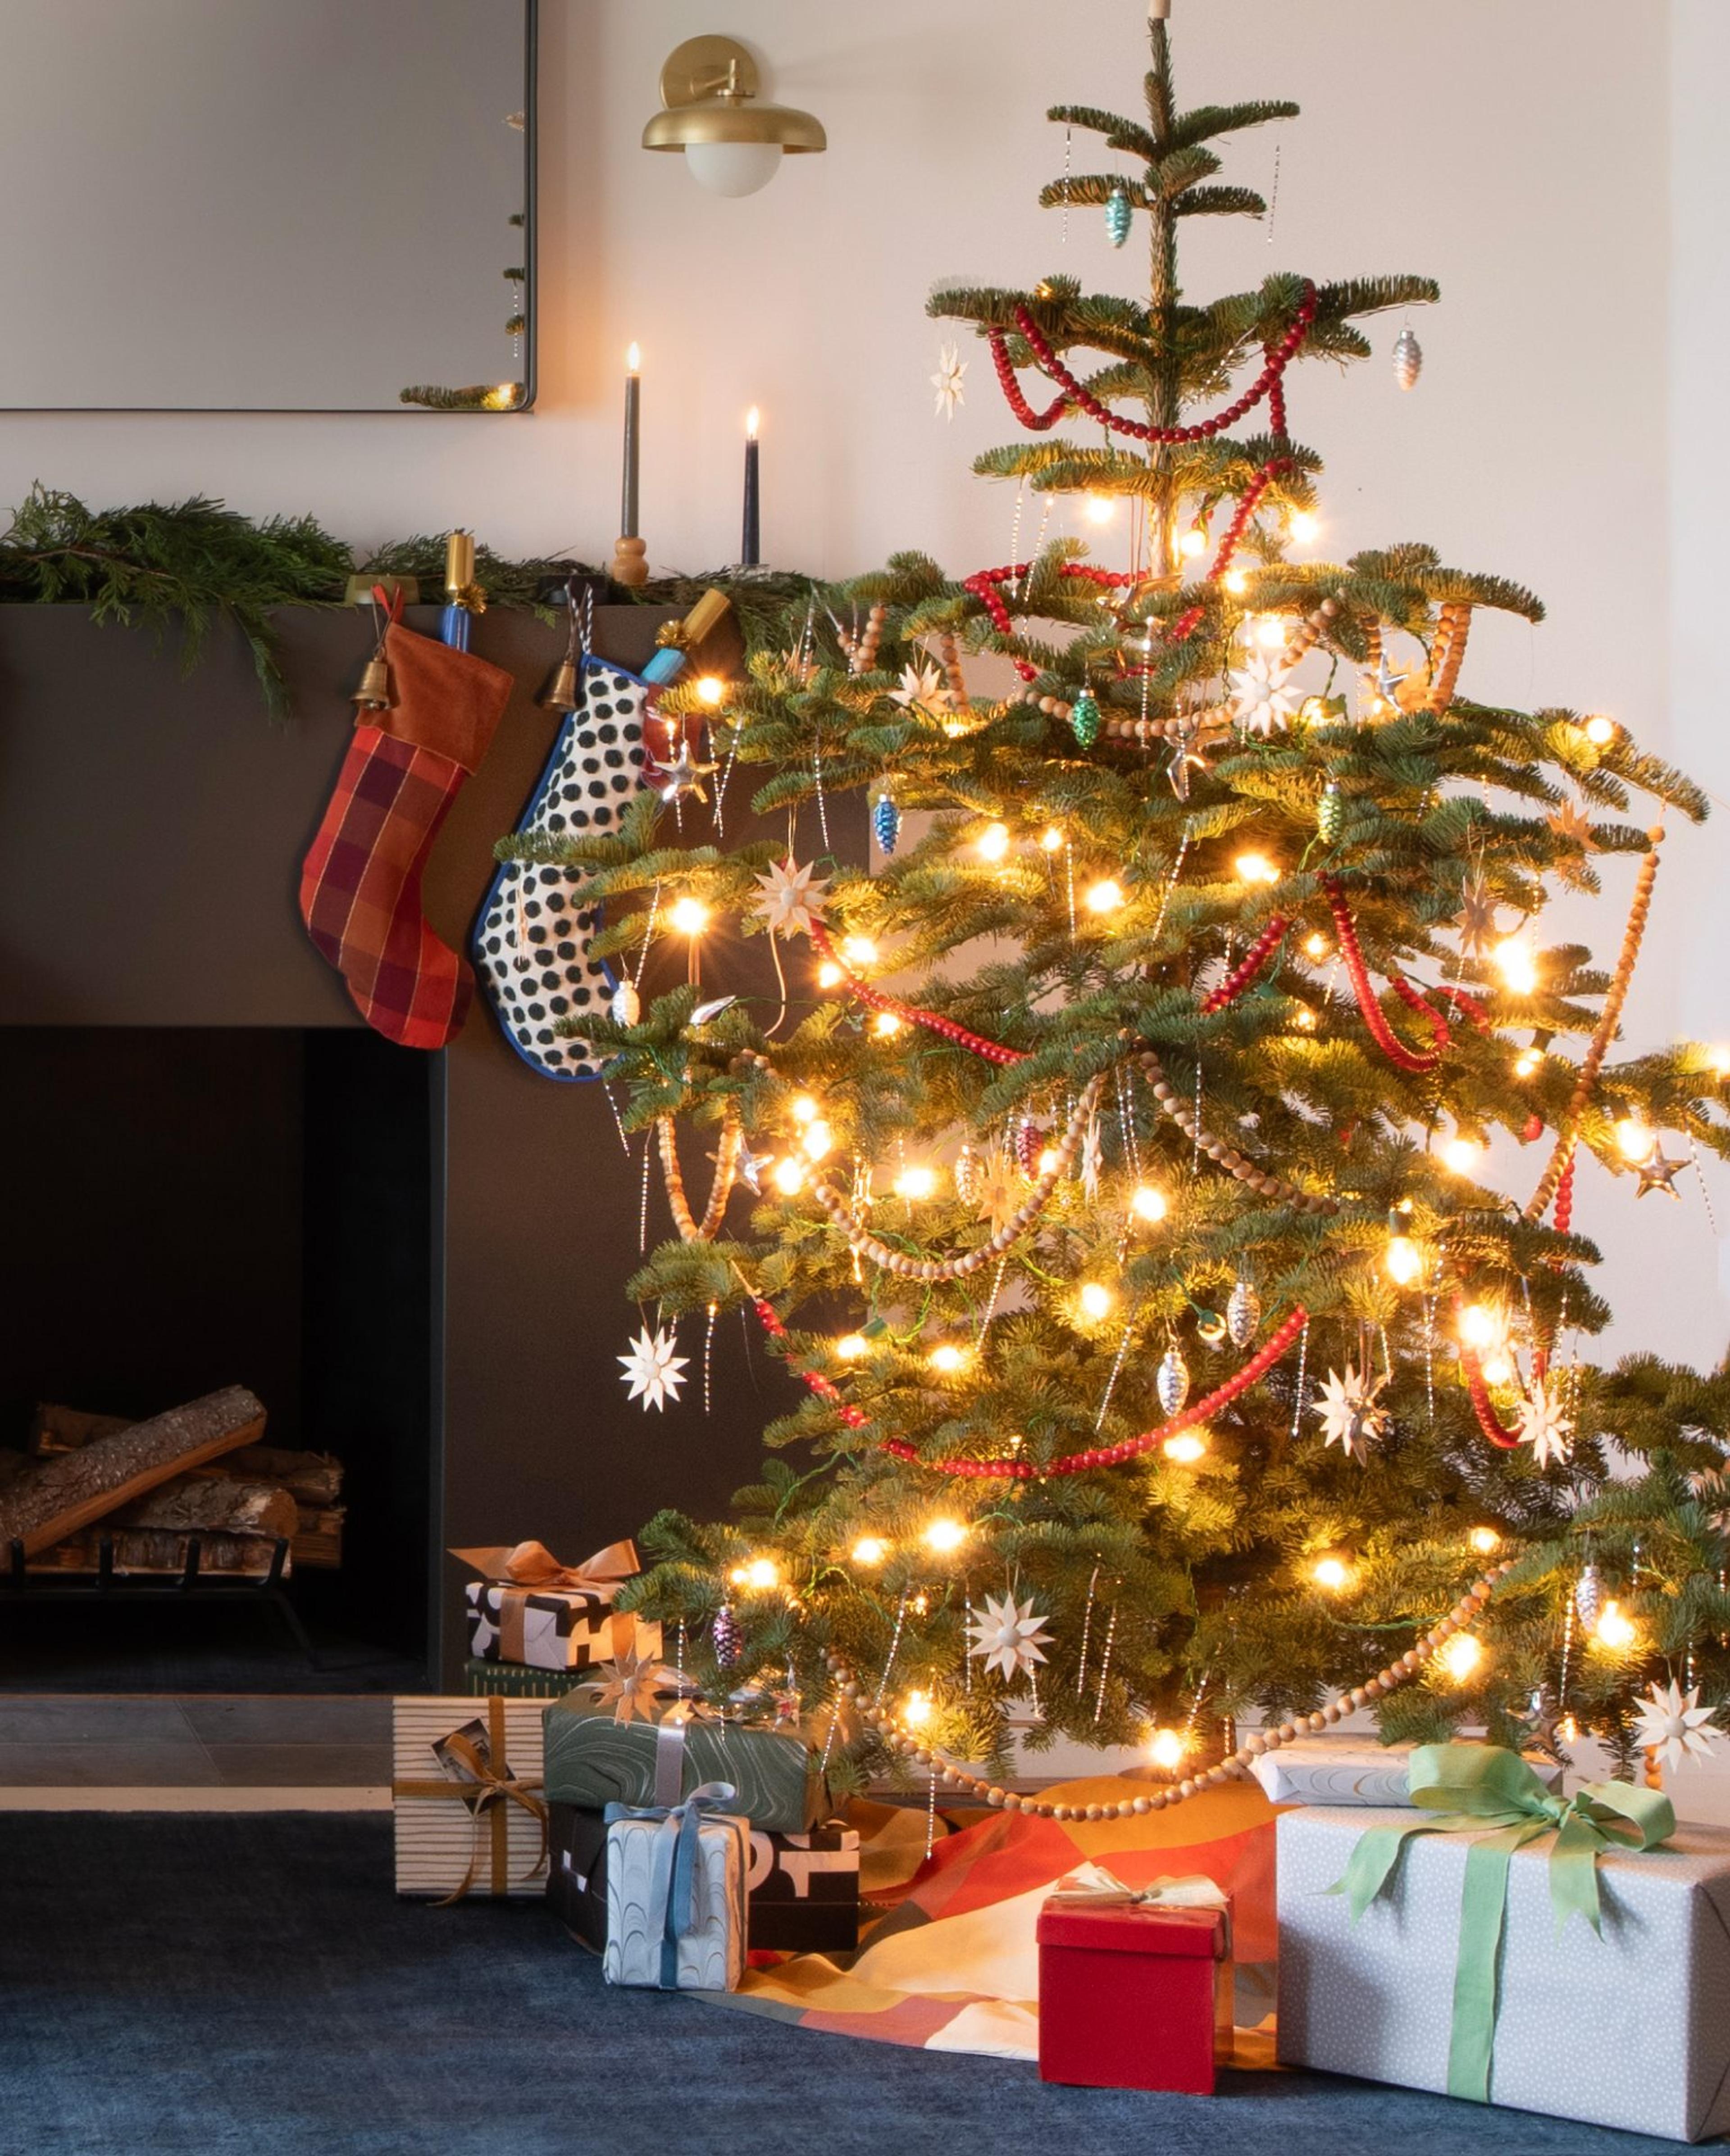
[[1344, 1770], [675, 1893], [1434, 1987], [466, 1793]]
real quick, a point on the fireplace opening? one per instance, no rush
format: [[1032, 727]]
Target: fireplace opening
[[194, 1209]]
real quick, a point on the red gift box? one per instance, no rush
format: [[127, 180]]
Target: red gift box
[[1134, 1996]]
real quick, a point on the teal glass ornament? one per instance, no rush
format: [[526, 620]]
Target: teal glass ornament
[[1085, 719], [1120, 216]]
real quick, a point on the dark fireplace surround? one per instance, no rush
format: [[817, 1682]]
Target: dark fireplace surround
[[416, 1261]]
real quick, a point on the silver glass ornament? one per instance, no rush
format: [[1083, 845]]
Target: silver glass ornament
[[1243, 1313], [1589, 1597], [967, 1175], [1407, 360], [1171, 1382], [724, 1632], [626, 1007]]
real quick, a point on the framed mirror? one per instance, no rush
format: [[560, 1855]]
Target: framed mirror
[[240, 205]]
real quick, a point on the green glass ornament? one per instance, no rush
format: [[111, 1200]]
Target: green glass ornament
[[1120, 216], [1330, 812], [1085, 719]]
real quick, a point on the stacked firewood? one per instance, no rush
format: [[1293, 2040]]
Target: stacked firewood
[[150, 1489]]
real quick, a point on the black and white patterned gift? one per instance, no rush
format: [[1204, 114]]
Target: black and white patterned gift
[[802, 1889], [531, 943]]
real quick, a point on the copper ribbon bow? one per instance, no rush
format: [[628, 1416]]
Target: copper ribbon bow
[[520, 1569], [490, 1788]]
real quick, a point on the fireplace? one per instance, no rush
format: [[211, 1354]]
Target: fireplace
[[197, 1207], [416, 1262]]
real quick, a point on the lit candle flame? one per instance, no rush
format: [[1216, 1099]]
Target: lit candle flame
[[634, 360], [752, 418]]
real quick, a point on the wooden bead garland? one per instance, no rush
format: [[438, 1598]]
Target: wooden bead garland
[[1235, 1767], [726, 1167], [1604, 1032], [1225, 1156], [1453, 625], [861, 653], [1307, 634], [949, 658], [865, 1244]]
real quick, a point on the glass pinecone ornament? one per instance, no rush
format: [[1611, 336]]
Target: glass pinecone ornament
[[886, 822], [1172, 1380], [1407, 360], [1085, 719], [724, 1632], [1029, 1144], [1330, 813], [626, 1006], [1589, 1597], [1243, 1313], [1120, 216]]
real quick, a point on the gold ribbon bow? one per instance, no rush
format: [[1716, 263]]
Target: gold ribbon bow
[[1096, 1888], [490, 1788], [520, 1569]]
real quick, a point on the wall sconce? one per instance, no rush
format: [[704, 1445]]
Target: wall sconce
[[731, 144]]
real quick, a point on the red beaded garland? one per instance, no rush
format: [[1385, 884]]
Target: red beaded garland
[[1385, 1038], [1276, 359], [1078, 1463], [1240, 976], [1483, 1406], [994, 1051]]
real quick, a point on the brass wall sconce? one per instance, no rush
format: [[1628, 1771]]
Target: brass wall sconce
[[732, 144]]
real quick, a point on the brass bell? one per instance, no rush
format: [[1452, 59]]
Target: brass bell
[[561, 693], [374, 693]]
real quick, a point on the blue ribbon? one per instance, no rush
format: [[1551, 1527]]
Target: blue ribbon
[[673, 1874]]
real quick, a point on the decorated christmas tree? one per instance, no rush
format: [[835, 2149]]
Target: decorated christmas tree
[[1109, 1170]]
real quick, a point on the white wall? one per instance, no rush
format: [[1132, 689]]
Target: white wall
[[1516, 153]]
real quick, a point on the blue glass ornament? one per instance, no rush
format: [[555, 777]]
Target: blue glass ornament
[[886, 822]]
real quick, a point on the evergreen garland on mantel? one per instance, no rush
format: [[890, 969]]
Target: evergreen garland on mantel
[[195, 561]]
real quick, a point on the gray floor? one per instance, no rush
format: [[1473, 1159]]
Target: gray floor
[[196, 1740]]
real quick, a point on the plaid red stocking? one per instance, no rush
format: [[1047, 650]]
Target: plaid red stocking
[[360, 884]]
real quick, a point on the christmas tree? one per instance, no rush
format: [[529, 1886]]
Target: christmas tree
[[1163, 1353]]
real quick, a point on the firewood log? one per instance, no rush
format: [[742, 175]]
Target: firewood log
[[230, 1504], [63, 1494]]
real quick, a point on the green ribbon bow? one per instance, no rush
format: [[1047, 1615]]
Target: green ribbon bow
[[1473, 1787]]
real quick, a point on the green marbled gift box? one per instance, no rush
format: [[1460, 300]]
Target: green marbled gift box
[[594, 1761]]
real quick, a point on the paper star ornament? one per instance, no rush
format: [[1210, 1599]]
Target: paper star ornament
[[1000, 1193], [1350, 1417], [1092, 1159], [1477, 918], [1259, 699], [791, 897], [1674, 1726], [653, 1372], [948, 380], [631, 1685], [921, 686], [1008, 1637], [1544, 1426]]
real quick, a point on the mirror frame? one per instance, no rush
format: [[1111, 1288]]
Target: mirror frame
[[531, 38]]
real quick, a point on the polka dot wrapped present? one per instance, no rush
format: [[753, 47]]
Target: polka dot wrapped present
[[1568, 1955]]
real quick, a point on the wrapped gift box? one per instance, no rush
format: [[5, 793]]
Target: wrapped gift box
[[652, 1938], [465, 1789], [1341, 1770], [594, 1760], [516, 1681], [552, 1627], [1133, 1994], [802, 1889], [1630, 2030]]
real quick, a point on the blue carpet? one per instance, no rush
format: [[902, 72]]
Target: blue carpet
[[206, 1983]]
